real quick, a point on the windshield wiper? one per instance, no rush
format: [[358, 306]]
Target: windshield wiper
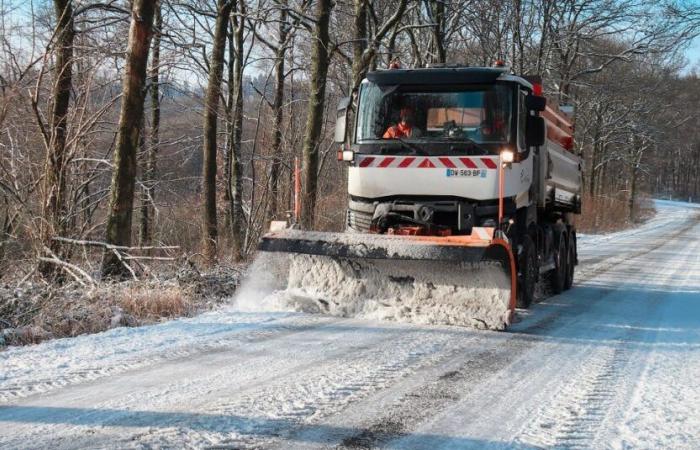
[[389, 146], [466, 139], [416, 149]]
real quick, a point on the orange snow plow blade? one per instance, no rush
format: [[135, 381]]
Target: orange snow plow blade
[[467, 280]]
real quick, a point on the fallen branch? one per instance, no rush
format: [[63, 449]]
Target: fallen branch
[[122, 252], [113, 247], [70, 269], [150, 258]]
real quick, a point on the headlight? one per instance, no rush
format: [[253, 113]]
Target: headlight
[[507, 156], [346, 155]]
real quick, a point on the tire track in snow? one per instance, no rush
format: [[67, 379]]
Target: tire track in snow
[[575, 416], [194, 390], [20, 389], [310, 395], [588, 271], [419, 404], [591, 269], [668, 386], [457, 382], [573, 419]]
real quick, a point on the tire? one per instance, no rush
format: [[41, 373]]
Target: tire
[[527, 273], [570, 261], [558, 276]]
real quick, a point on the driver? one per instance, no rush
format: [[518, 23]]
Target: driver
[[406, 126]]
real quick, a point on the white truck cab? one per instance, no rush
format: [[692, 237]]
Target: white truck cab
[[427, 149], [426, 145]]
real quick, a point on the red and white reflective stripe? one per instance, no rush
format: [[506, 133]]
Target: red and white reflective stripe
[[427, 162]]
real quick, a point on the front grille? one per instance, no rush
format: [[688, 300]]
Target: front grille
[[359, 221]]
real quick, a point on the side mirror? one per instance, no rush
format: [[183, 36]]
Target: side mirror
[[536, 131], [535, 103], [341, 119]]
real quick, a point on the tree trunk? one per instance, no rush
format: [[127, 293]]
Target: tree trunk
[[121, 203], [235, 140], [438, 38], [546, 8], [228, 151], [147, 208], [211, 116], [366, 44], [314, 112], [277, 106], [518, 59], [143, 199], [55, 181], [359, 45]]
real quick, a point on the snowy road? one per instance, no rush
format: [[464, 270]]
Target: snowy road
[[613, 363]]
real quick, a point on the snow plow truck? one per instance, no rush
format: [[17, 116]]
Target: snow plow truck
[[462, 188]]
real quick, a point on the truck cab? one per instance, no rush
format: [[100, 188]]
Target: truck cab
[[426, 144], [451, 150]]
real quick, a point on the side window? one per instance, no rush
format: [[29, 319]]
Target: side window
[[522, 121], [369, 116]]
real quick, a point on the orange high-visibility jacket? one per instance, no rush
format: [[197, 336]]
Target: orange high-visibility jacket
[[397, 131]]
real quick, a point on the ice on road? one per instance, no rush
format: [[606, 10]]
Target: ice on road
[[612, 363]]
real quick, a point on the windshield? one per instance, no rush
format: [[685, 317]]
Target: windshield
[[481, 115]]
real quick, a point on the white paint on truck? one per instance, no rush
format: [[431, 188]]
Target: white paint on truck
[[376, 182]]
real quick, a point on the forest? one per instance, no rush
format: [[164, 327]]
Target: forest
[[149, 136]]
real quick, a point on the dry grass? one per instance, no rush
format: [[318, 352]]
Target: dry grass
[[32, 311], [71, 310], [154, 304], [611, 213]]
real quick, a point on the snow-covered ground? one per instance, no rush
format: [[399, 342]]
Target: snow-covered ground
[[612, 363]]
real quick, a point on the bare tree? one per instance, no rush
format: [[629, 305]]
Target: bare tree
[[118, 231], [55, 181], [211, 115], [365, 42], [235, 183], [149, 173], [314, 113]]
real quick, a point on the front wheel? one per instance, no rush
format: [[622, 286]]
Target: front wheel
[[527, 273]]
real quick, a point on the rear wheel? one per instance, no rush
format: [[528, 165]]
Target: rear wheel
[[570, 261], [527, 273], [558, 276]]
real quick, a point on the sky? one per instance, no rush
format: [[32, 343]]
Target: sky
[[693, 55], [693, 52]]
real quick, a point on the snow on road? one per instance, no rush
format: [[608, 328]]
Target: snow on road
[[613, 363]]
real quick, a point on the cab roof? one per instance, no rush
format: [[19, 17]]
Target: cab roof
[[444, 75]]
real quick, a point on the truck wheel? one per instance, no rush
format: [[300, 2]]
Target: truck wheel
[[558, 276], [527, 273], [570, 261]]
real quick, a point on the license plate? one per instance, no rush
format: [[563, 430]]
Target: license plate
[[466, 173]]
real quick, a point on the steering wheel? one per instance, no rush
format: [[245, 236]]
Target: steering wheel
[[452, 130]]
